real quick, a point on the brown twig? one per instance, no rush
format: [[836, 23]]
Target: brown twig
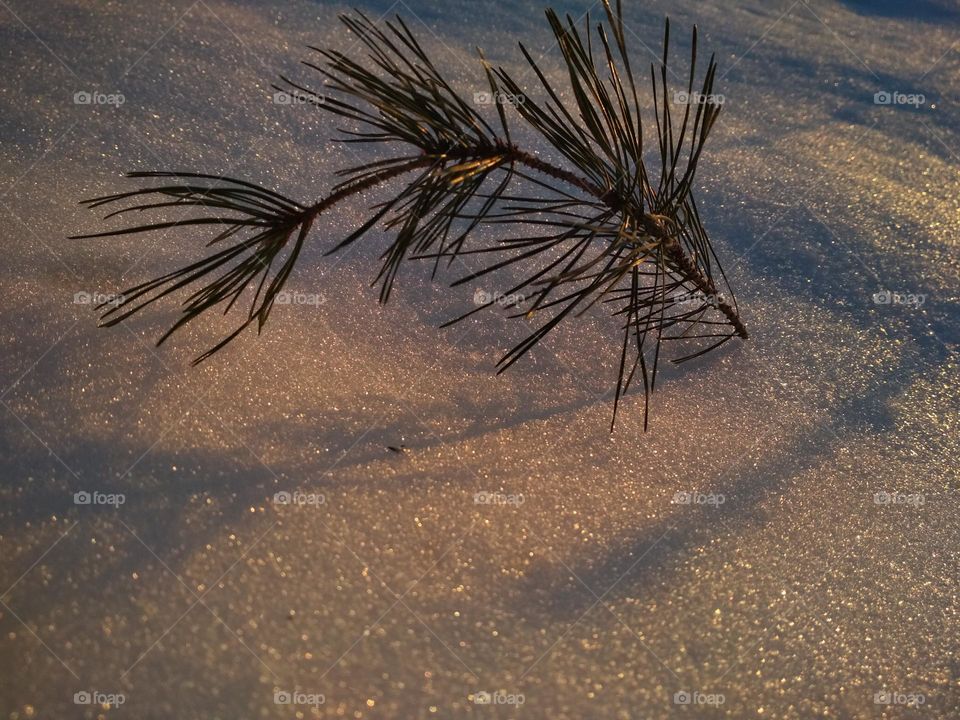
[[513, 154]]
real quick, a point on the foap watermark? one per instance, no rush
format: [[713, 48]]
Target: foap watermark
[[486, 97], [695, 697], [85, 497], [486, 497], [297, 497], [889, 297], [95, 697], [86, 97], [698, 498], [498, 697], [484, 297], [281, 97], [295, 297], [887, 97], [296, 697], [698, 298], [887, 697], [97, 298], [682, 97], [898, 498]]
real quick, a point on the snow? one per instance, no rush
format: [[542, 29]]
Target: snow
[[826, 574]]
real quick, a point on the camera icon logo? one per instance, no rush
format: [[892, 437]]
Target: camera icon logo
[[282, 498], [882, 698], [483, 98], [882, 98], [482, 698], [282, 697], [482, 297], [884, 297], [82, 98], [82, 698], [81, 298], [82, 498], [682, 698]]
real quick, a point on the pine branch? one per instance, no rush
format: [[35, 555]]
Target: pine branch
[[611, 235]]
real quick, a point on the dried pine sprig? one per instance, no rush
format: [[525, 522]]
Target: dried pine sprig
[[600, 228]]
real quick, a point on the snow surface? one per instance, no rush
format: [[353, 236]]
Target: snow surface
[[401, 597]]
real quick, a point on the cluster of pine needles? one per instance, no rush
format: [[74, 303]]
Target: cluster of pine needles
[[595, 227]]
